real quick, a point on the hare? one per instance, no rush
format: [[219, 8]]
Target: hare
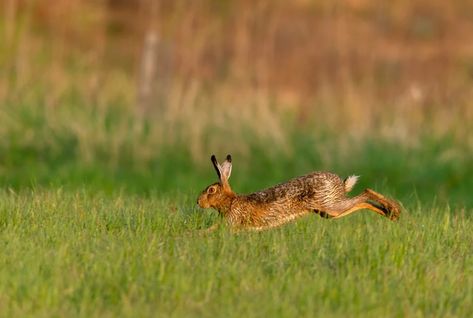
[[323, 193]]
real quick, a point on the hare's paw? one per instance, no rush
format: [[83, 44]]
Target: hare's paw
[[394, 212], [322, 214]]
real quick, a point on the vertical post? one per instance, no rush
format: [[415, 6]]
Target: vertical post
[[10, 14], [149, 61]]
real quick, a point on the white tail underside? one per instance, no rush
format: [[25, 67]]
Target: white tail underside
[[350, 183]]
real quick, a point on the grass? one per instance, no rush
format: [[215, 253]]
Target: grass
[[97, 205], [97, 227], [96, 221], [437, 170], [77, 253]]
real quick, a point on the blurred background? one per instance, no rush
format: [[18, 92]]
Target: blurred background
[[135, 95]]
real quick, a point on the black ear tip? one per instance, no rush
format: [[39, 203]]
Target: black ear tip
[[229, 158], [213, 158]]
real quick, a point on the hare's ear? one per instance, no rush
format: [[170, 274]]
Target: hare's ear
[[226, 169], [216, 166]]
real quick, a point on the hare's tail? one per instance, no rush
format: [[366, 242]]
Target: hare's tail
[[350, 182]]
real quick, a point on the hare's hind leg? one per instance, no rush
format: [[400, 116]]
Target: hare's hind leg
[[348, 206], [390, 207], [369, 199], [360, 206]]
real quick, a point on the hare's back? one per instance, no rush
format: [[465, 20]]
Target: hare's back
[[311, 188], [324, 189]]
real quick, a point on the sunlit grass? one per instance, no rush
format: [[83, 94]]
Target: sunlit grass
[[97, 203], [85, 254]]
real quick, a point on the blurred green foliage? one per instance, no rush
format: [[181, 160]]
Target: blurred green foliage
[[435, 169]]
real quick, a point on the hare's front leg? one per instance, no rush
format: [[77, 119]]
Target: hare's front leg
[[210, 229]]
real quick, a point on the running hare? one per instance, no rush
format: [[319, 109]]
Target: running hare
[[322, 193]]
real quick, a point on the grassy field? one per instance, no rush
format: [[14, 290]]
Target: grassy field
[[117, 235], [92, 224], [97, 219], [77, 253], [99, 179]]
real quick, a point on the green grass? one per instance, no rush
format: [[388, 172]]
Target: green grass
[[78, 253], [98, 218], [97, 206], [108, 149], [88, 229], [438, 171]]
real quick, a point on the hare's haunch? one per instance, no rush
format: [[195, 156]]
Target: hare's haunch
[[323, 193]]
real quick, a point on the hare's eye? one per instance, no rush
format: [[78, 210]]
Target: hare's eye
[[211, 190]]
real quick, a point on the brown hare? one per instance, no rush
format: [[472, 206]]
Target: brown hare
[[322, 193]]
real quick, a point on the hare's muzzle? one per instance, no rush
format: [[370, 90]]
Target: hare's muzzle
[[199, 201], [203, 202]]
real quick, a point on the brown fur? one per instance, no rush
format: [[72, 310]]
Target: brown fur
[[323, 193]]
